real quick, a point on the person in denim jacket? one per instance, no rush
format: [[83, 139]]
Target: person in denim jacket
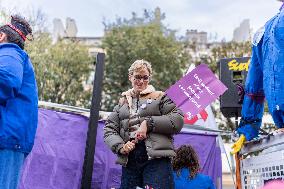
[[18, 101], [265, 79]]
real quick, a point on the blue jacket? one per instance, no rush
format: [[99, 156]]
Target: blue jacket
[[18, 99], [200, 181], [265, 76]]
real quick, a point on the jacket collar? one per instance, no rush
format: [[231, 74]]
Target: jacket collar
[[130, 94]]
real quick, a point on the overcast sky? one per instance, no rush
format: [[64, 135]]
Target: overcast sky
[[212, 16]]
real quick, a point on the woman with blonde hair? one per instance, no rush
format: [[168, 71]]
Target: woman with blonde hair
[[140, 131]]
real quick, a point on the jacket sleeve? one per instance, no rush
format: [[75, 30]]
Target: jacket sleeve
[[171, 120], [11, 75], [111, 131], [253, 104]]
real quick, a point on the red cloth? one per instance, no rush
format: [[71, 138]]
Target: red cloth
[[203, 115]]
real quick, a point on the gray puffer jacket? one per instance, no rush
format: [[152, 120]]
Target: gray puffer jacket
[[165, 119]]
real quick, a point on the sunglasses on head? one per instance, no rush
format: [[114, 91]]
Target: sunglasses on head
[[139, 77]]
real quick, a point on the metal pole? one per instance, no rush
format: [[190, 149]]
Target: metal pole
[[93, 124], [237, 159]]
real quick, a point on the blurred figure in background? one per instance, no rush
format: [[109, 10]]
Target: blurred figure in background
[[186, 170]]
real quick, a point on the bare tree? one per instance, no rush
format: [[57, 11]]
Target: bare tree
[[37, 19]]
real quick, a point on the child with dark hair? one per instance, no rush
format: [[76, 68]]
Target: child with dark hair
[[18, 101], [186, 170]]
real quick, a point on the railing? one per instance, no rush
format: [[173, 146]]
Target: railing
[[262, 160]]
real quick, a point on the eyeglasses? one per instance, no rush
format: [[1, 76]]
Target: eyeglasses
[[139, 77]]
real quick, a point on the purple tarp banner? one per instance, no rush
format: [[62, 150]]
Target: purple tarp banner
[[196, 90], [57, 157]]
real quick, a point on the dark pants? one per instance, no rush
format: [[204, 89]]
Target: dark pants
[[156, 173]]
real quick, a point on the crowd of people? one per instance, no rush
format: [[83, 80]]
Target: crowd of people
[[140, 130]]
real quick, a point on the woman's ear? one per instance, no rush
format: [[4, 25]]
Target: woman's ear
[[3, 37]]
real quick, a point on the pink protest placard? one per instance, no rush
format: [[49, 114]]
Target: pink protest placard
[[196, 90]]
